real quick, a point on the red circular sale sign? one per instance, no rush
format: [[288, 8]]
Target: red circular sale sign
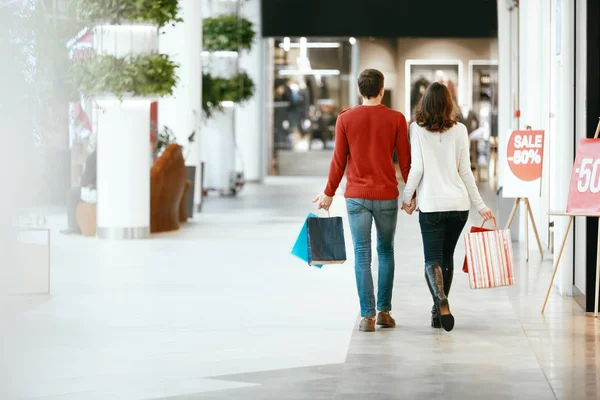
[[525, 153]]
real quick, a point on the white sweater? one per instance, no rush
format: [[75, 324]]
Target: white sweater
[[441, 171]]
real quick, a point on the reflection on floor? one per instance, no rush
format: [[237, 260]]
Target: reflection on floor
[[220, 310]]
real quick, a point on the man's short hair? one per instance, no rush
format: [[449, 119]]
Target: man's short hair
[[370, 83]]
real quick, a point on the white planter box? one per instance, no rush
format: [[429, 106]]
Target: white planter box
[[220, 151], [124, 168], [123, 40]]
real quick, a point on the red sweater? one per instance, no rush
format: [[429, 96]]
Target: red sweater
[[365, 140]]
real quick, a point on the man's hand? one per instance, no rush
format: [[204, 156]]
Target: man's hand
[[409, 208], [323, 201]]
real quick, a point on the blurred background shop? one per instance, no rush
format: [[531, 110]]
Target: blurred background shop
[[310, 85], [311, 77]]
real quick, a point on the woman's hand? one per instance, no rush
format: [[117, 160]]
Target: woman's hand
[[486, 214]]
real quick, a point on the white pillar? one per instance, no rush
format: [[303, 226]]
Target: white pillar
[[182, 112], [533, 45], [563, 146], [183, 43], [580, 120], [249, 124], [504, 85], [123, 210]]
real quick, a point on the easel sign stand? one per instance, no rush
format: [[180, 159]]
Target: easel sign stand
[[525, 200], [584, 201], [524, 155]]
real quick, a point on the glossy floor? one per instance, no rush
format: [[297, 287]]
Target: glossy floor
[[220, 310]]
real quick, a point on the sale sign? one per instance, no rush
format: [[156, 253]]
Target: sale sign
[[524, 158], [584, 192]]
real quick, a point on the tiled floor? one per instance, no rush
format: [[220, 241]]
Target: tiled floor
[[220, 310]]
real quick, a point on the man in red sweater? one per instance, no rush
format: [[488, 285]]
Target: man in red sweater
[[365, 139]]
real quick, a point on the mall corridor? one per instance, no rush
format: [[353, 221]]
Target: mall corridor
[[221, 310]]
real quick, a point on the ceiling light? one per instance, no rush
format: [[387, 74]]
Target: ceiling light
[[352, 41], [310, 45], [323, 72], [285, 44]]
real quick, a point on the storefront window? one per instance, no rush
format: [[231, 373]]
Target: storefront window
[[310, 85]]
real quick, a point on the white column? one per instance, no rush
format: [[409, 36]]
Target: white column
[[249, 124], [504, 86], [123, 210], [182, 112], [580, 121], [533, 82], [563, 146], [183, 43]]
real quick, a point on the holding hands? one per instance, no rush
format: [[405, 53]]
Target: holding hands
[[409, 207]]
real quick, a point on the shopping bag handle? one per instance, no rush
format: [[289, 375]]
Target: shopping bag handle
[[495, 223], [319, 209]]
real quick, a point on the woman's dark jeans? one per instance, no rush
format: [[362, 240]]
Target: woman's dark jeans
[[441, 231]]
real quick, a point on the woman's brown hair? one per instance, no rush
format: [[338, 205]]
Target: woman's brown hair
[[436, 111]]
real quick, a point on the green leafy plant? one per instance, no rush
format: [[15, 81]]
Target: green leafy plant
[[139, 75], [164, 139], [158, 12], [227, 33], [216, 90]]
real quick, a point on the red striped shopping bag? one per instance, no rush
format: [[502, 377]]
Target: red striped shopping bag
[[490, 258]]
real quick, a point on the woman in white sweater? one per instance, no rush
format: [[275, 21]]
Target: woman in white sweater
[[445, 191]]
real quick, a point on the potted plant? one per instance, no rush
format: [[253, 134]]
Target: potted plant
[[227, 32], [121, 12], [124, 74], [136, 75], [216, 90], [164, 138]]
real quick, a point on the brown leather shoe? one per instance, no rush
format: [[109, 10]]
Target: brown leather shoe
[[385, 320], [367, 325]]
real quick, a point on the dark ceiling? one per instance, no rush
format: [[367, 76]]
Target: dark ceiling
[[379, 18]]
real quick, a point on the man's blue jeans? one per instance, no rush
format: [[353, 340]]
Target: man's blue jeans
[[361, 214]]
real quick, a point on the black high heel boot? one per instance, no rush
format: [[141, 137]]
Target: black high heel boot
[[448, 275], [435, 282]]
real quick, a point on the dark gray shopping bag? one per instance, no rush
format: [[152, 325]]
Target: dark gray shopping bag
[[326, 244]]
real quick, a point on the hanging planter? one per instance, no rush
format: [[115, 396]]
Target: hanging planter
[[138, 75], [122, 73], [227, 33], [119, 12], [216, 90]]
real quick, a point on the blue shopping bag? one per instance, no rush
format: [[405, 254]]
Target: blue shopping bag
[[300, 248]]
